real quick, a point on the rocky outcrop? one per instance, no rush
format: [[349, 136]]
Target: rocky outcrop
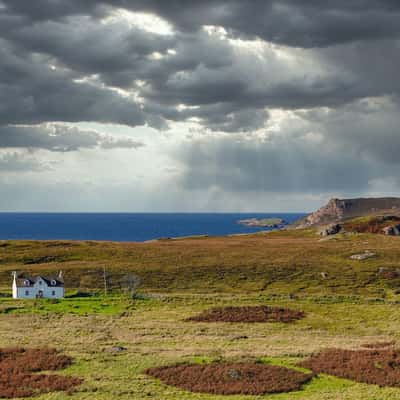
[[340, 209], [333, 211]]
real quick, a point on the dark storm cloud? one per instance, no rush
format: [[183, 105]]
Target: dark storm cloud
[[290, 22], [32, 92], [370, 128], [323, 150], [276, 165], [227, 87], [116, 50], [59, 138]]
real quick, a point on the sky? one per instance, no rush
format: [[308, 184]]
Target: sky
[[197, 106]]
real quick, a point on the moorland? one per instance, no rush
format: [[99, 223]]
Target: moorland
[[113, 339]]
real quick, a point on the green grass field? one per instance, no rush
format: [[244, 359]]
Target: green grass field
[[352, 305]]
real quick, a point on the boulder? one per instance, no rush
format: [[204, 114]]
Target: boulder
[[393, 230], [331, 230], [116, 349], [363, 256]]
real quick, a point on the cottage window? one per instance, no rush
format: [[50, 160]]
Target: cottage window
[[26, 292], [53, 283], [26, 283], [53, 293], [40, 282]]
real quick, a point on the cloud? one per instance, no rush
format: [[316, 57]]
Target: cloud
[[320, 151], [369, 127], [32, 92], [60, 138], [276, 165], [16, 162]]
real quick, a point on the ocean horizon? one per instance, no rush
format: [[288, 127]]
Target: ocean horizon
[[126, 227]]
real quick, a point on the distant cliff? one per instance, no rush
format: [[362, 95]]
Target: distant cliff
[[342, 209]]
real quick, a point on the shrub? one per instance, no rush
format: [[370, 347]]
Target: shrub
[[17, 377], [231, 378], [375, 366], [248, 314]]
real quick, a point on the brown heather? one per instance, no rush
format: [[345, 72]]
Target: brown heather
[[378, 366], [231, 378], [18, 377], [248, 314]]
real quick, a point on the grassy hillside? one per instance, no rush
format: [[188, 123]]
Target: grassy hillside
[[289, 262]]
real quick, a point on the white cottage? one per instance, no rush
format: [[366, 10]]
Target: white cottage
[[25, 287]]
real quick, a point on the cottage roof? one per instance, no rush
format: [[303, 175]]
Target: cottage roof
[[27, 281]]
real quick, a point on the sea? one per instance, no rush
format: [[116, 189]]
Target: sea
[[126, 227]]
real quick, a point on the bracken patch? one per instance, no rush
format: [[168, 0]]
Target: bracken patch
[[376, 366], [231, 378], [18, 377], [248, 314]]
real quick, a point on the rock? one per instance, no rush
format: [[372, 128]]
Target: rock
[[392, 230], [324, 275], [332, 229], [116, 349], [234, 374], [363, 256]]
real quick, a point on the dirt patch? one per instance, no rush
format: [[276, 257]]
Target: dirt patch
[[376, 366], [231, 378], [248, 314], [19, 367]]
